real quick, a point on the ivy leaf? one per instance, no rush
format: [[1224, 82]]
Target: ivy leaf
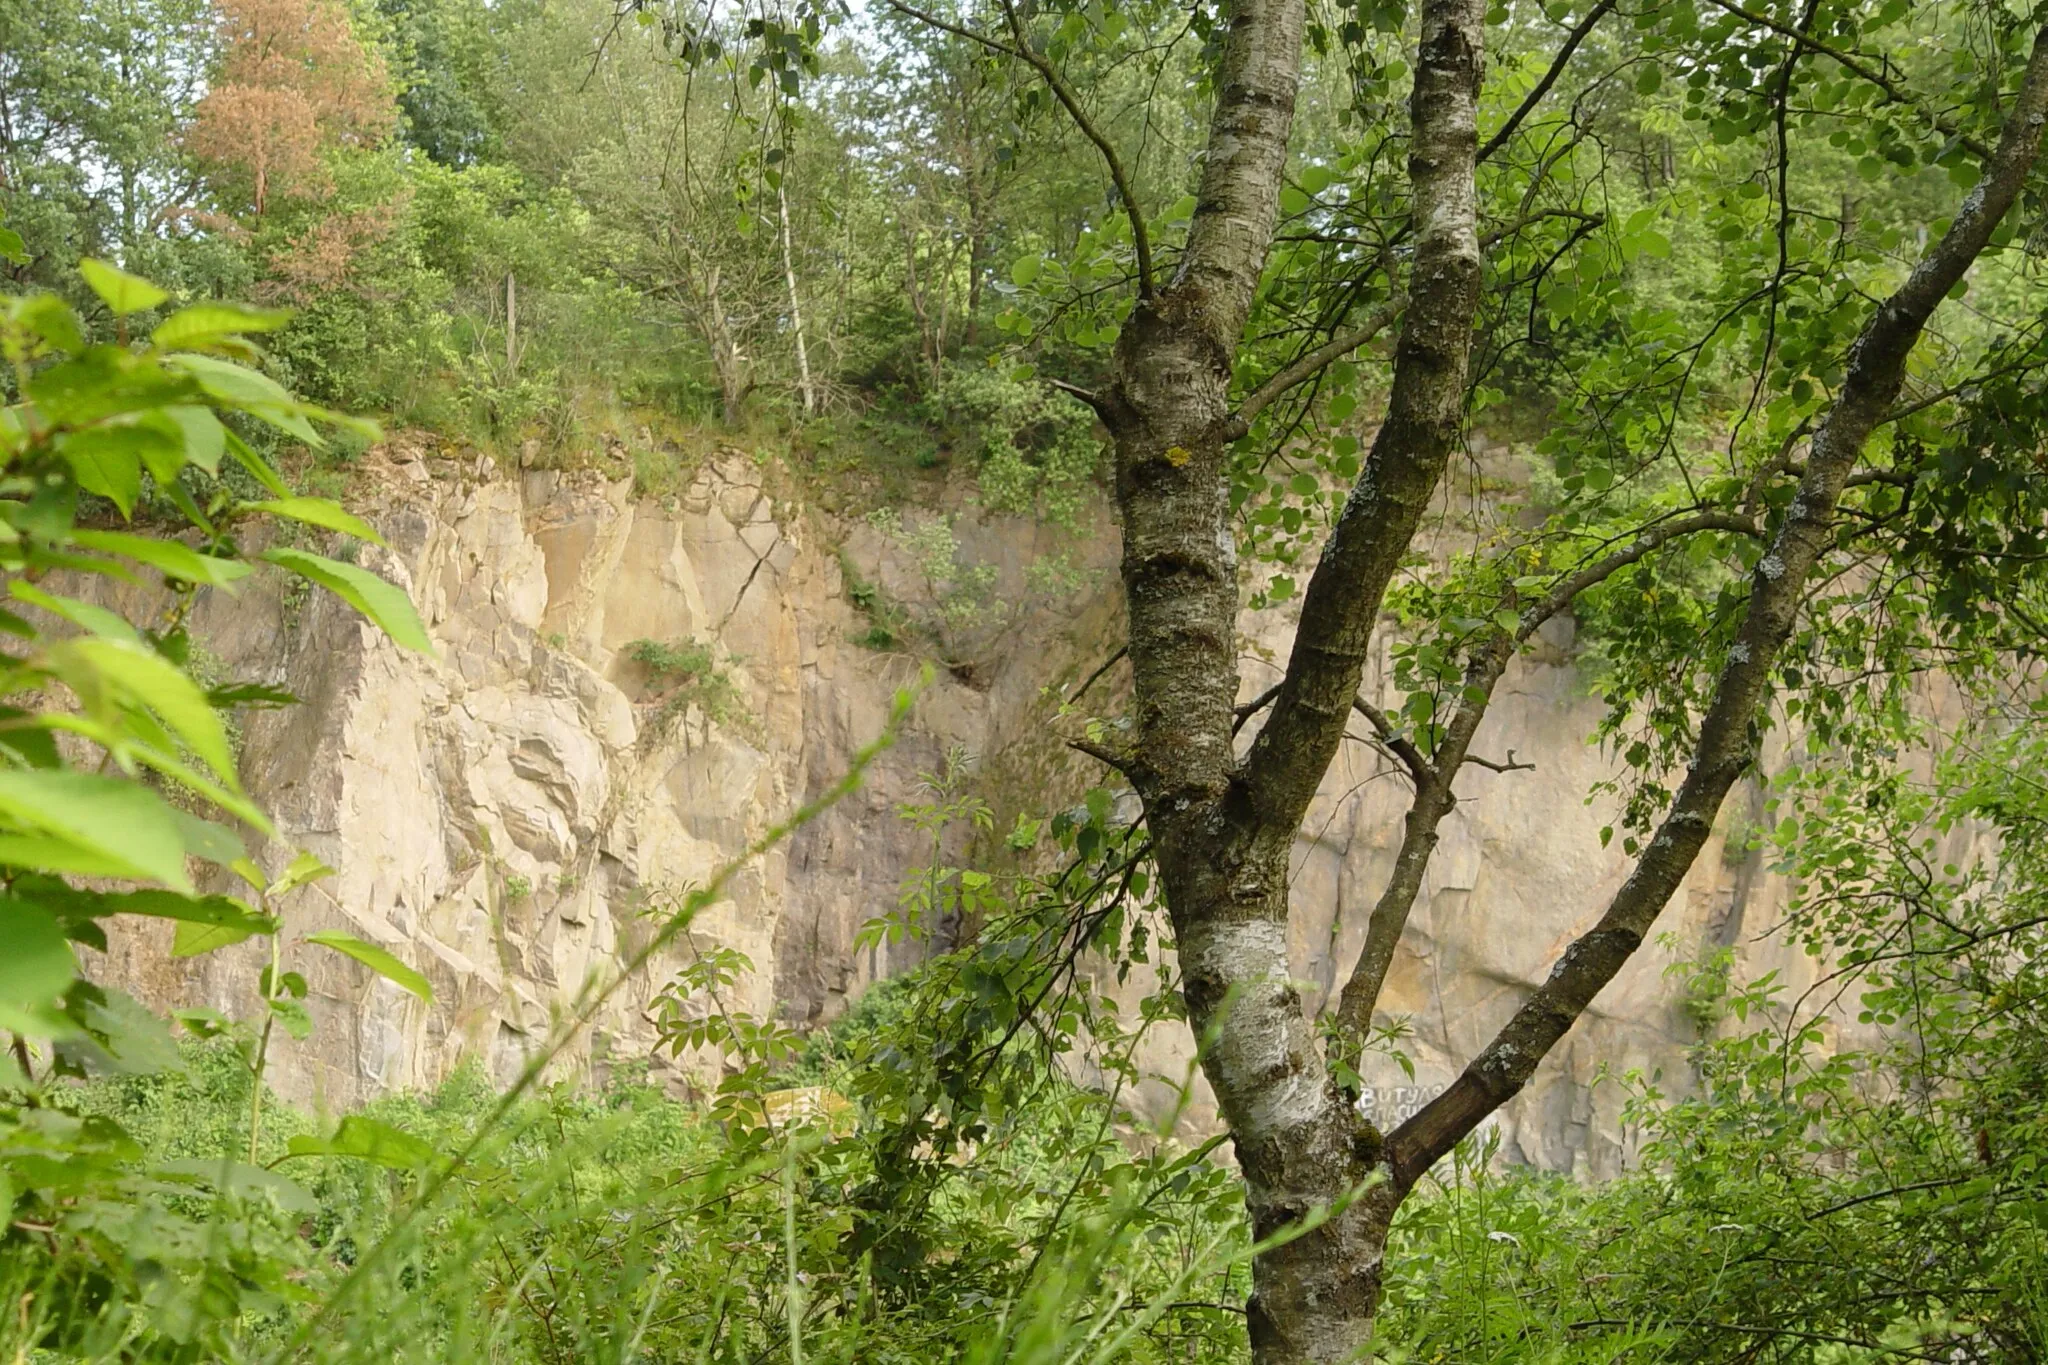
[[376, 959]]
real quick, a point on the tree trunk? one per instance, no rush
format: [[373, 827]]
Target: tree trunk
[[927, 344], [511, 325], [977, 260], [1222, 840], [728, 364], [1322, 1185], [796, 313]]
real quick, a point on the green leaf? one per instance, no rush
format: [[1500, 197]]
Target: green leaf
[[323, 512], [296, 1018], [214, 842], [106, 461], [123, 1037], [11, 248], [122, 292], [386, 606], [1293, 201], [259, 468], [148, 679], [86, 823], [259, 395], [209, 912], [195, 940], [304, 868], [50, 318], [368, 1140], [261, 695], [32, 742], [376, 959], [207, 324], [243, 1181], [1025, 271], [35, 969], [205, 437], [168, 556]]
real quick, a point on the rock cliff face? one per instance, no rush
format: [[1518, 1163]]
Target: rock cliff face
[[504, 815]]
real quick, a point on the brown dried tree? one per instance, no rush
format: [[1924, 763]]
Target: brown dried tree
[[294, 82]]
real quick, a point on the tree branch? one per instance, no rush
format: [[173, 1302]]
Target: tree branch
[[1096, 676], [1424, 420], [1312, 364], [1088, 396], [1893, 95], [1403, 749], [1141, 240], [1542, 87], [1600, 570], [1105, 755], [1727, 732], [1434, 798]]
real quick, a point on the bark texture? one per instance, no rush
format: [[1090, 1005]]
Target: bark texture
[[1223, 828]]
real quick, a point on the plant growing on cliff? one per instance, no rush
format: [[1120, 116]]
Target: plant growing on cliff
[[685, 673]]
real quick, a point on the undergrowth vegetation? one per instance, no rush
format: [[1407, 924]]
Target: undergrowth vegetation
[[923, 265]]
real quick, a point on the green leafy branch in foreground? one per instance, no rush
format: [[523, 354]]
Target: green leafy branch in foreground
[[118, 783], [94, 701]]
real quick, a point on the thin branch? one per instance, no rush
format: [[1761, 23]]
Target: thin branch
[[1727, 741], [1141, 240], [972, 36], [1096, 676], [1404, 749], [1562, 596], [1246, 710], [1312, 364], [1580, 216], [1542, 87], [1103, 754], [1851, 64], [1088, 396]]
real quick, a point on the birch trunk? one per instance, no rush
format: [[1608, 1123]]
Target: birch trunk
[[796, 313], [1222, 837]]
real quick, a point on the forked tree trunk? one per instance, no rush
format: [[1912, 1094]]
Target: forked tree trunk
[[1223, 827], [1222, 841]]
